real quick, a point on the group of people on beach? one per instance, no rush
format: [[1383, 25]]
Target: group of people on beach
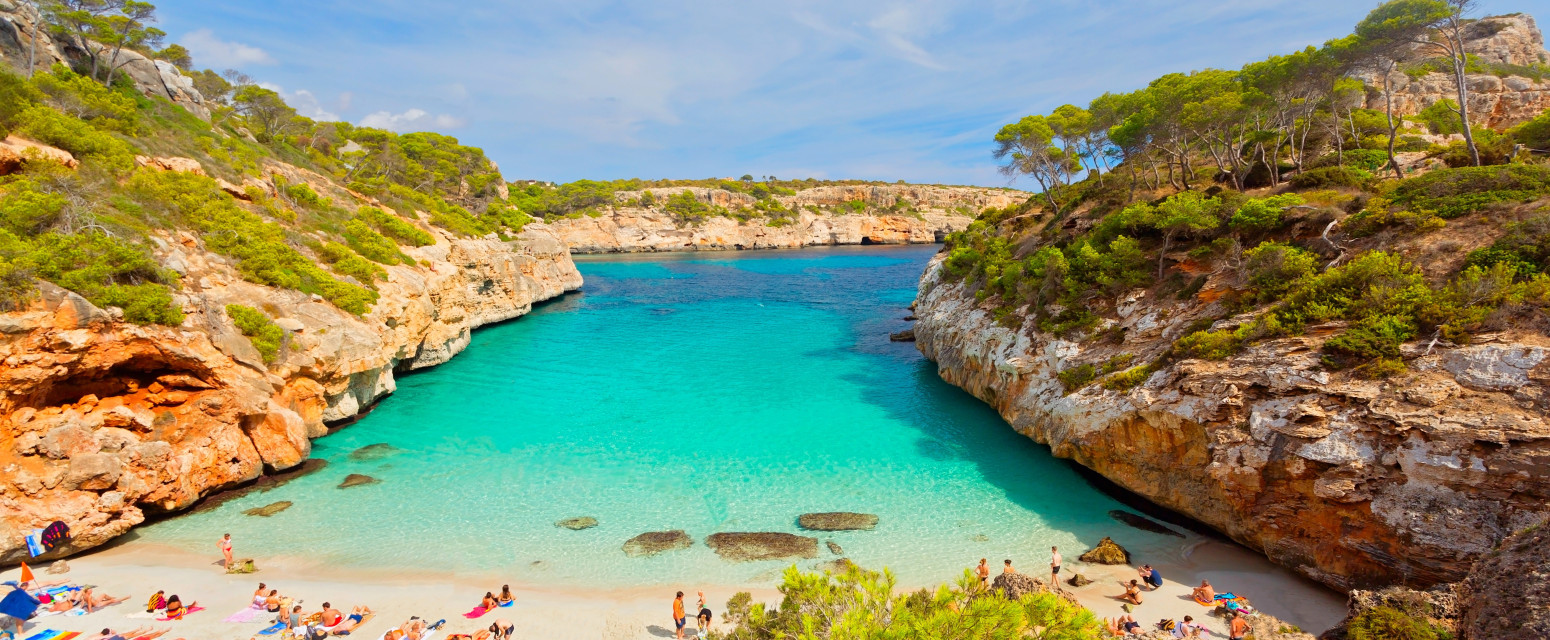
[[701, 619], [983, 570], [1150, 579]]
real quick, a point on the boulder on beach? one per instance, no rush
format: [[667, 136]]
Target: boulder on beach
[[577, 523], [837, 521], [746, 547], [654, 542], [1016, 585], [1143, 523], [834, 548], [58, 567], [1107, 552], [371, 452], [1078, 580], [356, 480], [269, 509]]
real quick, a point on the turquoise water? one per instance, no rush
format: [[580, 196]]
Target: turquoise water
[[729, 392]]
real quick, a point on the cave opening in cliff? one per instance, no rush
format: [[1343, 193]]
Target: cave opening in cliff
[[122, 378]]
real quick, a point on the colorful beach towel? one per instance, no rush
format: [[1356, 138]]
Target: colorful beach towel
[[186, 613], [477, 611], [249, 614], [278, 627], [46, 634], [1226, 596]]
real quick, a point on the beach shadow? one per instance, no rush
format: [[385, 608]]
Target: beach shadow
[[660, 632]]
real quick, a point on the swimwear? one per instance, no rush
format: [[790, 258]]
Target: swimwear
[[355, 617], [681, 622], [1055, 569], [1132, 626]]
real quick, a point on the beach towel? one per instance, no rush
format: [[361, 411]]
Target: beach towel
[[477, 612], [249, 614], [1226, 596], [278, 627], [46, 634], [186, 613]]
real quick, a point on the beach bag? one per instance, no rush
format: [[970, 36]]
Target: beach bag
[[1165, 625]]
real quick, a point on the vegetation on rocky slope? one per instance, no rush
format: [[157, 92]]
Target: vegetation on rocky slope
[[1269, 186]]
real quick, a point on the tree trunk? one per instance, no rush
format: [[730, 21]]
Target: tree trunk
[[1163, 253], [1459, 61], [1388, 110]]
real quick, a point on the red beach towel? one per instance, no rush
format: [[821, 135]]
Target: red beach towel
[[477, 611]]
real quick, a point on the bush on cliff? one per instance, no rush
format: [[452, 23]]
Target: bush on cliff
[[1450, 193], [394, 227], [1389, 623], [863, 604], [260, 330]]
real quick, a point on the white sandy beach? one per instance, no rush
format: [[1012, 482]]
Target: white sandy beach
[[136, 570]]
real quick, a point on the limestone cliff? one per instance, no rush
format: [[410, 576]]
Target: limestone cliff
[[1496, 100], [107, 421], [1352, 482], [886, 214]]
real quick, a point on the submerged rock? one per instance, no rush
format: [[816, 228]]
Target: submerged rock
[[837, 521], [836, 566], [1107, 552], [578, 523], [371, 452], [1143, 523], [1016, 585], [262, 484], [907, 335], [834, 548], [356, 480], [269, 509], [746, 547], [654, 542]]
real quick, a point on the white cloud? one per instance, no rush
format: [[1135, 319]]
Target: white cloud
[[411, 120], [215, 53]]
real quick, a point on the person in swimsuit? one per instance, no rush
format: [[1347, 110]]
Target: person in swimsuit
[[1054, 567], [1204, 594], [488, 602], [225, 545], [349, 624], [502, 629], [983, 571], [1239, 628], [272, 603], [506, 596], [678, 615], [702, 618], [1132, 592], [331, 616], [175, 608], [1006, 566], [94, 602]]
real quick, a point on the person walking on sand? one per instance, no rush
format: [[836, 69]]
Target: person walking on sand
[[225, 545], [983, 571], [678, 615], [1054, 568]]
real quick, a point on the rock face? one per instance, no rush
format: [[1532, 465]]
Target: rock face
[[837, 521], [102, 421], [1509, 590], [1107, 552], [1350, 481], [748, 547], [1496, 102], [654, 542], [155, 78], [1016, 585], [578, 523], [821, 220]]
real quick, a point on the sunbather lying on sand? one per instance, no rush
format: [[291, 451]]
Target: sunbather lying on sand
[[95, 601], [63, 602], [357, 615], [143, 633], [482, 634], [1123, 626]]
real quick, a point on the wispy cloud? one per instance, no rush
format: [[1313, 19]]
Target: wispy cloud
[[213, 52], [411, 120]]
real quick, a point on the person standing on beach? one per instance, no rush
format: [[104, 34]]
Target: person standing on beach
[[678, 615], [225, 545], [1239, 629], [1054, 567]]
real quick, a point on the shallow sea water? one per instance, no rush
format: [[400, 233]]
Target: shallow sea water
[[704, 392]]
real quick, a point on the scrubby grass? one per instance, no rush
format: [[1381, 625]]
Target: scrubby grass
[[260, 330]]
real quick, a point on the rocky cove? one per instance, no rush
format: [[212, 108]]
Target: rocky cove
[[825, 215]]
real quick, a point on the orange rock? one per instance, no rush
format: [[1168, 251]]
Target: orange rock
[[16, 152], [179, 165]]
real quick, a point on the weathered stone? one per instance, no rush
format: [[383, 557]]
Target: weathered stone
[[907, 335], [93, 472], [1508, 591], [577, 523], [58, 567], [1143, 523], [837, 521], [747, 547], [371, 452], [834, 547], [269, 509], [654, 542], [1107, 552], [1078, 580], [356, 480], [1016, 585], [836, 566]]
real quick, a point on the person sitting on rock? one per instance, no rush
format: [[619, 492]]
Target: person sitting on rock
[[1008, 566], [1132, 592], [1204, 594]]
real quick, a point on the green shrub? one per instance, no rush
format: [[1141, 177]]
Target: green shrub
[[1372, 283], [107, 271], [260, 330], [1275, 267], [1208, 345], [1534, 134], [1077, 377], [75, 135], [84, 98], [1331, 177], [372, 245], [394, 227], [1388, 623], [346, 261], [1263, 214], [16, 95], [1372, 338], [1451, 193], [301, 193], [26, 209], [1129, 378], [1441, 117], [687, 208]]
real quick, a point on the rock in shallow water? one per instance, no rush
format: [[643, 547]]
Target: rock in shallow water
[[1078, 580], [836, 566], [356, 480], [834, 548], [837, 521], [1107, 552], [654, 542], [1143, 523], [907, 335], [376, 451], [746, 547], [269, 509], [578, 523]]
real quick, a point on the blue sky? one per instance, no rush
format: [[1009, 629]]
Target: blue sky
[[570, 89]]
